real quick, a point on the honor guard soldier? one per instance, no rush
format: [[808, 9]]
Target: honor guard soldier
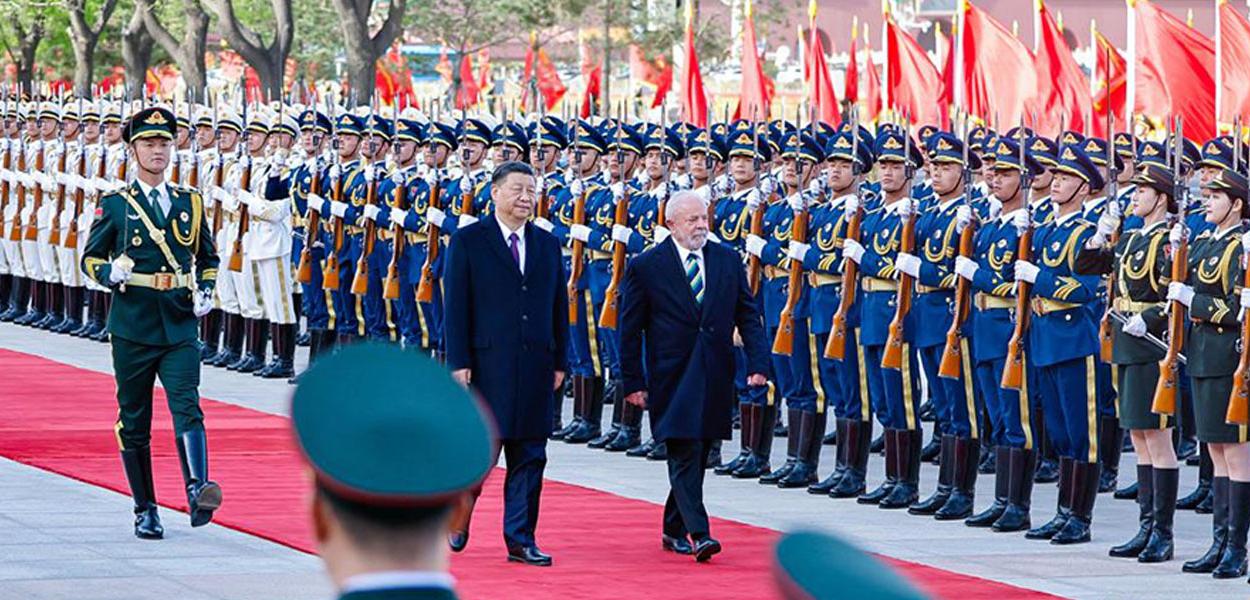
[[228, 152], [990, 272], [378, 320], [47, 127], [473, 139], [213, 324], [10, 270], [1063, 345], [379, 523], [68, 272], [307, 246], [253, 163], [1214, 348], [340, 214], [87, 185], [151, 245], [847, 161]]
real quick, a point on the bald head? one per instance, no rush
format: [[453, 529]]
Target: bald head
[[685, 215]]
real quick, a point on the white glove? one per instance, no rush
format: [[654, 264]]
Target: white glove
[[660, 190], [906, 208], [230, 202], [398, 216], [1245, 242], [431, 178], [544, 224], [580, 233], [966, 267], [908, 263], [797, 251], [316, 203], [963, 218], [203, 303], [996, 207], [1136, 326], [87, 185], [575, 186], [817, 187], [334, 171], [661, 234], [435, 216], [851, 207], [852, 250], [1107, 224], [248, 198], [466, 184], [466, 220], [1026, 271], [755, 244], [1177, 235], [338, 209], [621, 233], [797, 202], [766, 187], [119, 273], [369, 174], [754, 199], [618, 190], [1021, 220], [1245, 299], [1181, 293], [371, 212]]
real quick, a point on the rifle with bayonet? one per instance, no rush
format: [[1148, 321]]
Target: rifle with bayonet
[[330, 272], [390, 287], [360, 282], [952, 353], [1105, 336], [892, 357], [1164, 402], [245, 184], [754, 268], [59, 205], [611, 295], [71, 234], [579, 218], [783, 342], [835, 348], [1013, 369]]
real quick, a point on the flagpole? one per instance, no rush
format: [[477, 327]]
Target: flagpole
[[1219, 67], [1037, 25], [885, 46], [1130, 93], [960, 55]]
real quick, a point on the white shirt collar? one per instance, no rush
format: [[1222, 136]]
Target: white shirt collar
[[948, 203], [520, 233], [383, 580], [682, 253], [1076, 214], [147, 189], [1092, 203], [1009, 217], [895, 206]]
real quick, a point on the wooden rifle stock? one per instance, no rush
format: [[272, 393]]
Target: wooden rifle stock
[[783, 342], [330, 274], [1239, 400], [8, 166], [1169, 368], [32, 228], [1105, 336], [892, 357], [1013, 371], [218, 180], [425, 289], [236, 256], [952, 353], [59, 206], [390, 288], [360, 282], [312, 228], [15, 234], [753, 262], [579, 250], [835, 348], [607, 317], [71, 235]]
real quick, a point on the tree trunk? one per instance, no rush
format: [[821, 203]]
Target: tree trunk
[[361, 75], [189, 53], [26, 68], [84, 63], [362, 48], [136, 51]]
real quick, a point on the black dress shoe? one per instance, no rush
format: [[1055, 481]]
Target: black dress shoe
[[457, 540], [1047, 471], [641, 450], [1128, 492], [705, 548], [1187, 449], [673, 544], [529, 555]]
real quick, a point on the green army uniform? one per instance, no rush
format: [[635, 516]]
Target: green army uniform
[[1212, 348], [152, 323], [408, 446]]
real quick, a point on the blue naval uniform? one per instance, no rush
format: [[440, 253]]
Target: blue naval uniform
[[453, 195], [315, 300], [345, 316], [840, 380], [937, 244], [992, 323], [1105, 373], [583, 348], [600, 217], [795, 374], [895, 393], [415, 224], [1063, 337], [401, 319]]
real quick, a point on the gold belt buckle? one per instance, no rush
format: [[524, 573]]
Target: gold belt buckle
[[163, 281]]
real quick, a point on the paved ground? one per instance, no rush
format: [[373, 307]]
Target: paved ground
[[49, 552]]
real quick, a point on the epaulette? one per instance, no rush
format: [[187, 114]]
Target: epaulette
[[1205, 234]]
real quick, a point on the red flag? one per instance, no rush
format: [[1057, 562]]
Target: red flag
[[851, 91], [468, 93], [1063, 91], [540, 73], [1175, 70], [1234, 65], [914, 83], [693, 96], [657, 73], [756, 91], [820, 84], [665, 85], [593, 90], [947, 99], [1110, 79], [998, 75], [444, 65], [484, 79], [871, 100]]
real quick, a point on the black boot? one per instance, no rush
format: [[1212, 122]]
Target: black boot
[[6, 291], [908, 489], [1085, 478], [36, 309], [1206, 470], [713, 455], [946, 474], [1233, 561], [792, 449], [1064, 509], [891, 470], [858, 437], [1002, 487], [966, 454], [233, 346], [19, 300], [1145, 516], [102, 334], [1159, 546], [758, 464], [73, 310], [1047, 461], [1020, 466], [631, 428], [827, 484], [557, 407], [579, 392], [1128, 492], [613, 394], [93, 311], [830, 438], [589, 428], [746, 435], [138, 465], [780, 428], [811, 429], [1219, 529], [659, 452], [1110, 439], [257, 342], [878, 444], [203, 495], [274, 356], [932, 452], [645, 448], [284, 352], [988, 464]]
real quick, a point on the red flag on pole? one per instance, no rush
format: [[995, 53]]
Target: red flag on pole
[[913, 82], [693, 96], [1110, 84], [820, 83], [756, 92], [540, 74], [998, 75], [947, 99], [1234, 64], [1063, 90], [851, 91], [1175, 70], [468, 94], [871, 100], [657, 73], [593, 91]]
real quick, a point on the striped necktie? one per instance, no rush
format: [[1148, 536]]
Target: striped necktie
[[695, 276]]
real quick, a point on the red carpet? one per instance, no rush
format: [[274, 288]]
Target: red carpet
[[59, 418]]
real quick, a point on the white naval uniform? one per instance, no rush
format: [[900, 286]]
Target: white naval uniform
[[30, 248], [241, 295], [10, 251], [267, 246]]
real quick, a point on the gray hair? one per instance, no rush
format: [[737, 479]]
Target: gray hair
[[681, 198]]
